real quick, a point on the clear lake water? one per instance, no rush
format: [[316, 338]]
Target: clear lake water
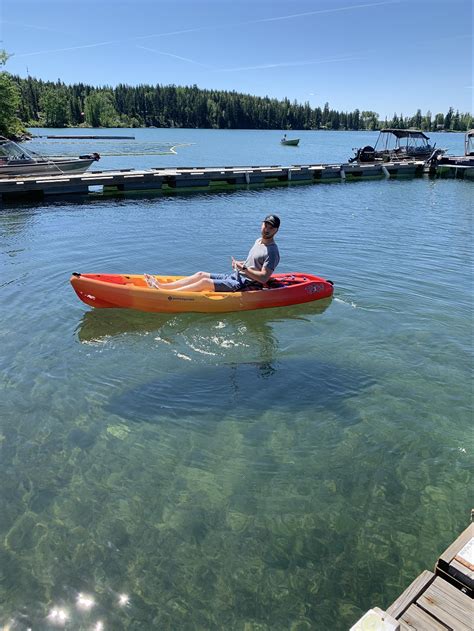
[[283, 469]]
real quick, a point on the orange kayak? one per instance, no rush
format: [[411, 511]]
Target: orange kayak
[[133, 292]]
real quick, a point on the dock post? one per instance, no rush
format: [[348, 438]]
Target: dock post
[[385, 172], [289, 175], [247, 177], [343, 174]]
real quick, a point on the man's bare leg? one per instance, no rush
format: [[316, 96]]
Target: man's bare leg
[[186, 281], [204, 284]]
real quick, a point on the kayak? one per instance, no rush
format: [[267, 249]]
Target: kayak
[[131, 291]]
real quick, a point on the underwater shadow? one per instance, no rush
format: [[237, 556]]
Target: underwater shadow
[[245, 390], [209, 391]]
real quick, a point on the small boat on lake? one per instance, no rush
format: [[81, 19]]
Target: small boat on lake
[[16, 161], [291, 142], [394, 145], [139, 292]]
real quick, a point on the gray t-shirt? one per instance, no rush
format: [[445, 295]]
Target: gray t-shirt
[[262, 255]]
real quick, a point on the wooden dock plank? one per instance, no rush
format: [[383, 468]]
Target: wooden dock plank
[[448, 604], [416, 618], [402, 603], [451, 551], [455, 564]]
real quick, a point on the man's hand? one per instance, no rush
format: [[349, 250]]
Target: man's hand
[[237, 265]]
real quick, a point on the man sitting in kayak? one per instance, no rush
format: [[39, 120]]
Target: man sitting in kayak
[[255, 271]]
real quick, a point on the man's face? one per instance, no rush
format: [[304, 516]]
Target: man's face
[[268, 231]]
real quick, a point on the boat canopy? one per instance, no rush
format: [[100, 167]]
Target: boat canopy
[[9, 150], [405, 133]]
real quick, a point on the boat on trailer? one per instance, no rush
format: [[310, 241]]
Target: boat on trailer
[[139, 292], [394, 145], [16, 161]]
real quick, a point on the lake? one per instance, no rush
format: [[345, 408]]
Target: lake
[[270, 470]]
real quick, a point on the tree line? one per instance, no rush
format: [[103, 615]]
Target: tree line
[[32, 102]]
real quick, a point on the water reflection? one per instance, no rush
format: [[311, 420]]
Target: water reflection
[[230, 337], [98, 324]]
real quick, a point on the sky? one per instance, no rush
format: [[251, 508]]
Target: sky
[[388, 56]]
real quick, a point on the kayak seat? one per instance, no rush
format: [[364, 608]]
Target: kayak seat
[[271, 284]]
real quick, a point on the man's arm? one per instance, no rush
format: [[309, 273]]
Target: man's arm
[[261, 276]]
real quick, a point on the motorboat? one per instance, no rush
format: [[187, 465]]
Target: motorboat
[[469, 143], [291, 142], [394, 145], [465, 162], [16, 161]]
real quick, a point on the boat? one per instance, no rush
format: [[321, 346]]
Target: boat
[[16, 161], [469, 143], [457, 166], [291, 142], [394, 145], [466, 160], [130, 291]]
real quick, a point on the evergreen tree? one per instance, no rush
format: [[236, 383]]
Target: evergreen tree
[[417, 119], [448, 119], [325, 116], [55, 108], [10, 125], [426, 121], [189, 106], [99, 110]]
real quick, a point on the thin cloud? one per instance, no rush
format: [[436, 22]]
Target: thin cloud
[[200, 29], [32, 26], [113, 41], [289, 64], [320, 11], [62, 50], [161, 52]]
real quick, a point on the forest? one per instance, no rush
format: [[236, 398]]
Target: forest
[[32, 102]]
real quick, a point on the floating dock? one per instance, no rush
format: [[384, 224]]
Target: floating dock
[[436, 601], [186, 179], [207, 179], [83, 137]]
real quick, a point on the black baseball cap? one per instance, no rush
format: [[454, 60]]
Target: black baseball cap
[[273, 220]]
